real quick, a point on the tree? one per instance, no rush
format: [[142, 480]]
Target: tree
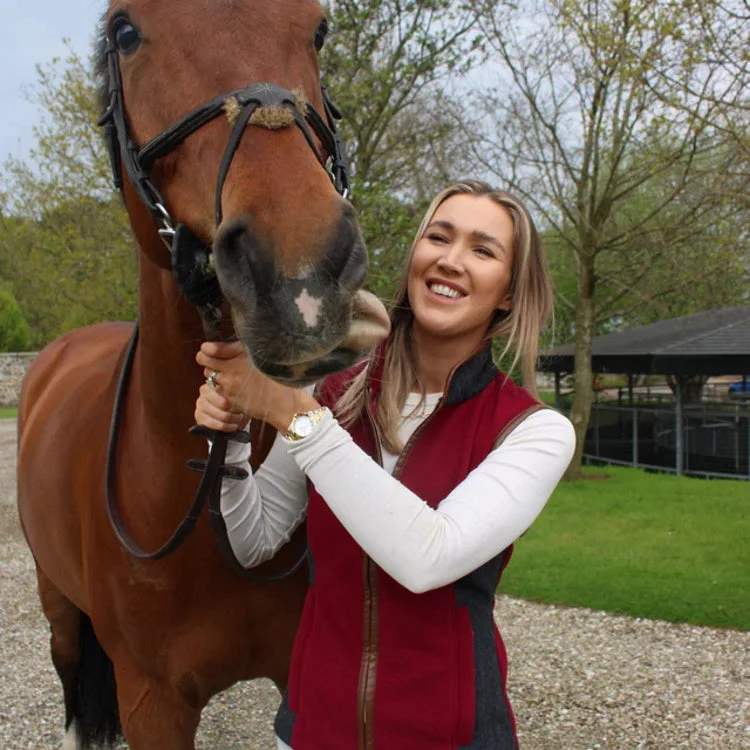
[[389, 66], [65, 241], [605, 123], [724, 33], [64, 238], [677, 269], [14, 333]]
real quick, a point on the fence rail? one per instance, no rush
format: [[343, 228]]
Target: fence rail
[[709, 443]]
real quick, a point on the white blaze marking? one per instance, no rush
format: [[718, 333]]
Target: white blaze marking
[[309, 307]]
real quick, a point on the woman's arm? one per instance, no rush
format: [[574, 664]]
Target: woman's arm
[[420, 547], [425, 548], [262, 511]]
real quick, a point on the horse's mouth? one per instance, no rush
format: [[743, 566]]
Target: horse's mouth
[[369, 326]]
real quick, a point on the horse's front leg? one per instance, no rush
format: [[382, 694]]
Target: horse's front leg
[[154, 714]]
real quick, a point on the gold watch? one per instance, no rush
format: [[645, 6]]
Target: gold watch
[[304, 423]]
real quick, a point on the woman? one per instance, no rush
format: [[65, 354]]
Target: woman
[[424, 464]]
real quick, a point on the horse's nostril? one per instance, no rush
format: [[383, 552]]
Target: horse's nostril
[[356, 269], [345, 259], [336, 255], [244, 265]]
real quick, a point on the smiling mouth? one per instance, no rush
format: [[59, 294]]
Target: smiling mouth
[[444, 291]]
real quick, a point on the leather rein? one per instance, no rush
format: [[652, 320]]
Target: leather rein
[[194, 273]]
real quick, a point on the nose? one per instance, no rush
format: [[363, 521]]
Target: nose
[[344, 259], [451, 261]]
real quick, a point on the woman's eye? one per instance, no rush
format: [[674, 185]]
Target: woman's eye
[[126, 36], [437, 238], [484, 251]]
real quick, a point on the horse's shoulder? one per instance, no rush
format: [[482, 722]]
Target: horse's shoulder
[[82, 345], [77, 355]]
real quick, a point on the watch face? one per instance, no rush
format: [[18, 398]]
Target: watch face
[[303, 425]]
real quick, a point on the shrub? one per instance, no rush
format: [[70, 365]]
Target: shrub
[[14, 332]]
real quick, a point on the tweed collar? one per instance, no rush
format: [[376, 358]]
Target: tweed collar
[[468, 379]]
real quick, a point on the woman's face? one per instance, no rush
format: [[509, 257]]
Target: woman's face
[[461, 271]]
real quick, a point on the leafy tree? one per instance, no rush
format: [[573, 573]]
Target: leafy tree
[[64, 238], [14, 333], [607, 121], [65, 242], [390, 66], [679, 266]]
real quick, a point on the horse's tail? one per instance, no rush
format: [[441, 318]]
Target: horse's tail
[[95, 709]]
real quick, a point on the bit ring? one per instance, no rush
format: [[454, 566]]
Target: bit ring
[[211, 379]]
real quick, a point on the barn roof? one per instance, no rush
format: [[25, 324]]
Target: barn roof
[[716, 342]]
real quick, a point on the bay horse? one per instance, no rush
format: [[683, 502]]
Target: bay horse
[[225, 143]]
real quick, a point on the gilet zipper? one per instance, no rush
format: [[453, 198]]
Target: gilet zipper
[[368, 664]]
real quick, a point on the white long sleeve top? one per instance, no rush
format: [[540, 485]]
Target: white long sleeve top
[[420, 547]]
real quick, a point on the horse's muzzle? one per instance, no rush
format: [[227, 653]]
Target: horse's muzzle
[[299, 324]]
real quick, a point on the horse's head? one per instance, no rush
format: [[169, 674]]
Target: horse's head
[[225, 118]]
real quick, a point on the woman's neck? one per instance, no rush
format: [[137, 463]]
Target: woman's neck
[[436, 361]]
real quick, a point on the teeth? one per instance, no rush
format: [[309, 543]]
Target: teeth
[[444, 291]]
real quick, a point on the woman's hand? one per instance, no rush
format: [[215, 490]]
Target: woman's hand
[[214, 410], [242, 392]]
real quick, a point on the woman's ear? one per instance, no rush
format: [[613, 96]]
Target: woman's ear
[[506, 304]]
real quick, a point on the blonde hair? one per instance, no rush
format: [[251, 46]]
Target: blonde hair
[[531, 304]]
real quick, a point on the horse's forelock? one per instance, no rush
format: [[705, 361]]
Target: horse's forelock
[[100, 62]]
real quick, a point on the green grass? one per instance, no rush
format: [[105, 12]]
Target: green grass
[[645, 545], [8, 412], [548, 397]]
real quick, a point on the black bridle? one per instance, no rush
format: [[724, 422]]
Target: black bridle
[[192, 269], [190, 257], [138, 160]]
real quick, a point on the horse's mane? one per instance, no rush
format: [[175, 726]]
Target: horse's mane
[[100, 63]]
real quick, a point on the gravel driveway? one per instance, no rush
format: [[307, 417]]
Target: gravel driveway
[[578, 679]]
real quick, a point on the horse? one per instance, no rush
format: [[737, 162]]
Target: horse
[[223, 143]]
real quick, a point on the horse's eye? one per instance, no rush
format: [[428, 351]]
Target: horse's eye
[[320, 34], [126, 36]]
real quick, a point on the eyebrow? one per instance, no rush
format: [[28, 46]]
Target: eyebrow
[[476, 234]]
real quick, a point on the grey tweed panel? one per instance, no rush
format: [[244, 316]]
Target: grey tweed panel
[[284, 722], [492, 724]]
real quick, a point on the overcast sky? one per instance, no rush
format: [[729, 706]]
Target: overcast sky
[[33, 33]]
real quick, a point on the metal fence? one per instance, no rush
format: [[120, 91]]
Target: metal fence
[[699, 442]]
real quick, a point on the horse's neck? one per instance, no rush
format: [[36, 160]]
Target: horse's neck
[[170, 333]]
